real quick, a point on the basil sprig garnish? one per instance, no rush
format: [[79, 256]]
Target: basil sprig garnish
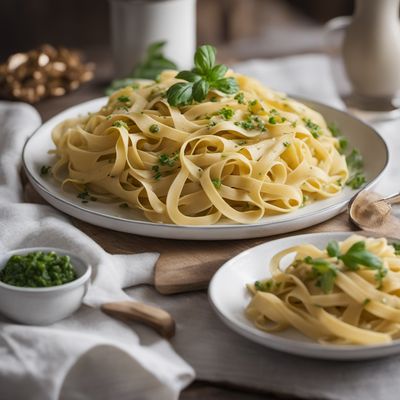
[[357, 255], [204, 76], [150, 67]]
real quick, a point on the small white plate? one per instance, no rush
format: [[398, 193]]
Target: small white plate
[[229, 297], [371, 145]]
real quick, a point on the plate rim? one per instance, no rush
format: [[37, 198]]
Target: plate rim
[[290, 346], [216, 227]]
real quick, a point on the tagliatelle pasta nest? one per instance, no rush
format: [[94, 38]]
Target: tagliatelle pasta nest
[[230, 158], [348, 293]]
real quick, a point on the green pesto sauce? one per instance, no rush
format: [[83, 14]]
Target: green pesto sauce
[[38, 269]]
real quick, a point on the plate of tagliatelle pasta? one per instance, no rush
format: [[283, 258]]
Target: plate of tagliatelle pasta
[[205, 154], [322, 295]]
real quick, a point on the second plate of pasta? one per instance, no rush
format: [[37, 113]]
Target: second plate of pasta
[[322, 295]]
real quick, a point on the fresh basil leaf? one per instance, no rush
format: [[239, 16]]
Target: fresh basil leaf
[[200, 90], [327, 281], [358, 255], [180, 94], [226, 85], [217, 72], [204, 58], [155, 49], [151, 67], [333, 249], [188, 76]]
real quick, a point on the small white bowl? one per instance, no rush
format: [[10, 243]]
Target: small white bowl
[[44, 306]]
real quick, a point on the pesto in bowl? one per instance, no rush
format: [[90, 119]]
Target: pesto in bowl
[[38, 269]]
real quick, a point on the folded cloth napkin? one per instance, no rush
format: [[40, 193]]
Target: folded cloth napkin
[[88, 355], [220, 355]]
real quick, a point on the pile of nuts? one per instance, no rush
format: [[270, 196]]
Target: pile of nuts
[[43, 72]]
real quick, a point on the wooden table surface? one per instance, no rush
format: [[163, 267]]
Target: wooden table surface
[[48, 108]]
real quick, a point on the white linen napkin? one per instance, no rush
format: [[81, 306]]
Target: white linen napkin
[[88, 355]]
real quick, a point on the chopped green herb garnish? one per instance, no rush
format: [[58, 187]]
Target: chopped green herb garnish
[[336, 132], [83, 195], [305, 199], [268, 285], [396, 246], [343, 144], [124, 99], [120, 124], [44, 170], [154, 128], [157, 172], [366, 302], [272, 120], [325, 273], [355, 164], [165, 159], [217, 183], [286, 144], [356, 180], [314, 128], [252, 122], [354, 160], [38, 269], [240, 98], [227, 113], [205, 76]]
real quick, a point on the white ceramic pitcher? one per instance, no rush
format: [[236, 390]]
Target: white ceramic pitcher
[[371, 49]]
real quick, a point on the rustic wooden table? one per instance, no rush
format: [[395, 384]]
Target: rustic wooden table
[[114, 242]]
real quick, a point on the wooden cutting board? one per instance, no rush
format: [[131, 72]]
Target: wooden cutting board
[[184, 265]]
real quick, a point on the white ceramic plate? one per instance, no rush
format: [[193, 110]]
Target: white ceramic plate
[[229, 298], [35, 154]]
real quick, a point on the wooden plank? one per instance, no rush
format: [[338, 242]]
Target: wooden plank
[[183, 265]]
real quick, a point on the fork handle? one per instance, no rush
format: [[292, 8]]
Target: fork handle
[[394, 199]]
